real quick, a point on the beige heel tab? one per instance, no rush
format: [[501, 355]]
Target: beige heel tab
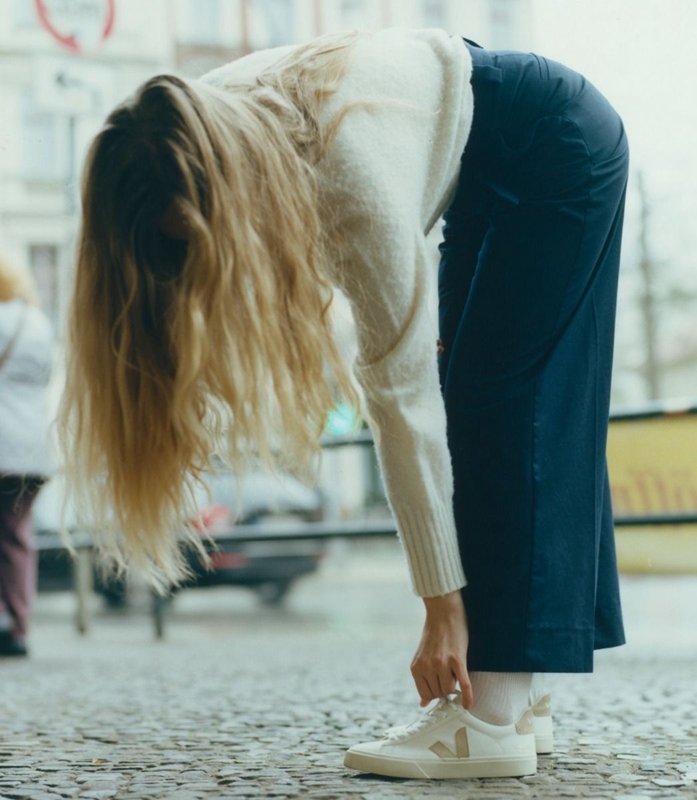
[[524, 724], [543, 707]]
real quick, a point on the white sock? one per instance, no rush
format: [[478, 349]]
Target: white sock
[[500, 697]]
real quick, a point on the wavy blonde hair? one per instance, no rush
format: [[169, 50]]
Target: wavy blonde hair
[[218, 343]]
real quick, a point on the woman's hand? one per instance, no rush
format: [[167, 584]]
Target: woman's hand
[[441, 658]]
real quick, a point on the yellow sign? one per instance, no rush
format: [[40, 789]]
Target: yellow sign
[[652, 463]]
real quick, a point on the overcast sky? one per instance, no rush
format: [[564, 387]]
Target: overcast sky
[[642, 54]]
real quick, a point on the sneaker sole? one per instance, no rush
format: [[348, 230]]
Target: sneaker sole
[[492, 767]]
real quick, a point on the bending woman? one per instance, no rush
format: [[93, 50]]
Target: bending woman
[[217, 216]]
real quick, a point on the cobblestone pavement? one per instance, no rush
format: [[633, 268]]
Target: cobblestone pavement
[[243, 701]]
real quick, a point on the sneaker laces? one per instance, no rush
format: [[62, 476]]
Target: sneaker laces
[[397, 733]]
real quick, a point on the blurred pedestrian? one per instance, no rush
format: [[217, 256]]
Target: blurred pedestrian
[[217, 215], [25, 367]]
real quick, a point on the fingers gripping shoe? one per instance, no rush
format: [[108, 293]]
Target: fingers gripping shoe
[[447, 741], [542, 724]]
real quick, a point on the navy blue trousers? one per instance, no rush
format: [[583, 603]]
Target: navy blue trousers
[[527, 298]]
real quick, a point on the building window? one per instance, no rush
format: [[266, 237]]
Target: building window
[[435, 13], [41, 159], [203, 22], [43, 262], [352, 13], [279, 16]]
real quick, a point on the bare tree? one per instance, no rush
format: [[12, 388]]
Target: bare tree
[[647, 298], [660, 292]]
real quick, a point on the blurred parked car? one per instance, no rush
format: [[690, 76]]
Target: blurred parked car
[[269, 568]]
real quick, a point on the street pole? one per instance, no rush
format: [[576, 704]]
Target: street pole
[[318, 17], [244, 27], [647, 298], [72, 209], [385, 13]]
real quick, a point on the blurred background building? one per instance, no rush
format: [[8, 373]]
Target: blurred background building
[[54, 95], [54, 98]]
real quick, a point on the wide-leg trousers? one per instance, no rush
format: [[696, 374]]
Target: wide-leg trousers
[[527, 298]]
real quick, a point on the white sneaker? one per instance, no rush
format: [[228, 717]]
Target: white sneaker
[[446, 741], [542, 724]]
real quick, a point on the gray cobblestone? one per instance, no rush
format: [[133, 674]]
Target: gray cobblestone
[[241, 701]]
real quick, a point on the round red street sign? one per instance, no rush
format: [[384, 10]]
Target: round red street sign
[[77, 24]]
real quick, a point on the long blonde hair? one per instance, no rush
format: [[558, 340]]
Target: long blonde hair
[[223, 345]]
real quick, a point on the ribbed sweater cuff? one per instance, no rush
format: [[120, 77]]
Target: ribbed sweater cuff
[[431, 546]]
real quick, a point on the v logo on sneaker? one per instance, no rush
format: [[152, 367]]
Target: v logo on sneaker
[[462, 748]]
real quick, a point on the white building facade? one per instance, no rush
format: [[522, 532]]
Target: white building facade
[[54, 99]]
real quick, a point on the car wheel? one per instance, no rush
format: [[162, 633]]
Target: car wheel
[[115, 595], [273, 593]]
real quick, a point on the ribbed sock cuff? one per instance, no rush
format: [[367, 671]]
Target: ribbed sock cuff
[[500, 697]]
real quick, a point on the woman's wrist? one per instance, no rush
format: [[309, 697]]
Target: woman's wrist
[[443, 605]]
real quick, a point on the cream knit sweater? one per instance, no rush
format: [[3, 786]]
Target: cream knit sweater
[[389, 175]]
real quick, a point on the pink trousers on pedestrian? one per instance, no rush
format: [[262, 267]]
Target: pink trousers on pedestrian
[[18, 562]]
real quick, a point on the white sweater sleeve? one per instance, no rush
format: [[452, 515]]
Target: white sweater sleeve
[[385, 273], [403, 395], [397, 368]]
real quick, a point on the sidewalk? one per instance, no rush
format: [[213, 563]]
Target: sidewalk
[[243, 701]]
